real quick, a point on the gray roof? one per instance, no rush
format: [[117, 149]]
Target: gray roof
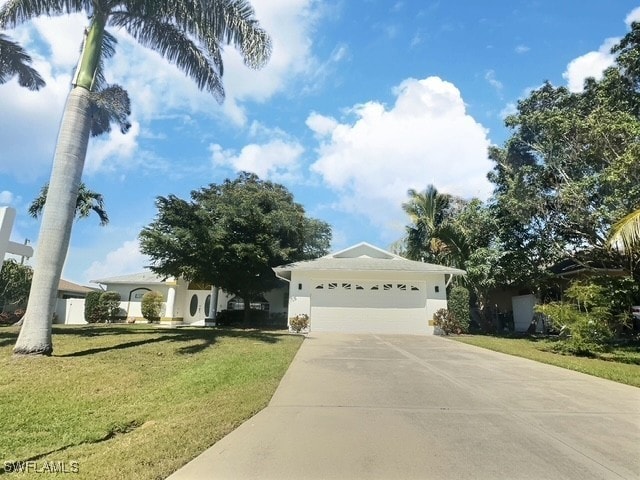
[[142, 278], [364, 257]]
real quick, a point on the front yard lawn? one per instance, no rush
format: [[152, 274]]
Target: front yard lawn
[[620, 365], [133, 401]]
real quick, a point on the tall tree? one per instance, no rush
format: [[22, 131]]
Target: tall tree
[[231, 235], [15, 61], [88, 201], [188, 33], [428, 211], [569, 171]]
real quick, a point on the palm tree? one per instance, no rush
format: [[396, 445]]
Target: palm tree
[[188, 33], [88, 201], [626, 232], [15, 61], [427, 211]]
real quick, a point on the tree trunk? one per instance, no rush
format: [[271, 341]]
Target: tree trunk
[[247, 312], [55, 229]]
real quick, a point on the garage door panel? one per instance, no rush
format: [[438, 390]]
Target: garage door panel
[[368, 320], [368, 307]]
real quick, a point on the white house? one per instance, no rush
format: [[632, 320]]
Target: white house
[[184, 302], [366, 289]]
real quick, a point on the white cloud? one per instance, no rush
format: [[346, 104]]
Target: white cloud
[[490, 77], [113, 150], [277, 159], [6, 197], [121, 261], [509, 109], [591, 64], [426, 137], [634, 16], [520, 49]]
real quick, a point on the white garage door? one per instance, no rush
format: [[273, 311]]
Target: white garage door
[[361, 307]]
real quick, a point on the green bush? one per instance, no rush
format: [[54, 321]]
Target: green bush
[[94, 309], [111, 304], [151, 306], [299, 322], [584, 322], [447, 322], [459, 306]]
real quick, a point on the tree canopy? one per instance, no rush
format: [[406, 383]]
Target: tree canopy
[[231, 235]]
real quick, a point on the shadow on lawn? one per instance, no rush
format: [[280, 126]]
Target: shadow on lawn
[[205, 337]]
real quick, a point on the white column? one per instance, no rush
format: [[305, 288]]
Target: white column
[[171, 300]]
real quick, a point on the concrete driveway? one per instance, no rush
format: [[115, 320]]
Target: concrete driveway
[[422, 407]]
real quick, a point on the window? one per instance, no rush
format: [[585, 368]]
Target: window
[[320, 287], [207, 305], [333, 286], [387, 286], [402, 286], [346, 286], [414, 288], [359, 287], [375, 287], [437, 288], [193, 305], [299, 286]]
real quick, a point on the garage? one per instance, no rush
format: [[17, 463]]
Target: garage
[[364, 289], [377, 307]]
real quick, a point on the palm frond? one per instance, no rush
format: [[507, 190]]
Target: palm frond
[[15, 61], [15, 12], [87, 201], [111, 104], [175, 46], [627, 232]]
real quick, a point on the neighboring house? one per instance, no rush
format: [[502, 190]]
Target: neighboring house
[[70, 302], [366, 289], [184, 302]]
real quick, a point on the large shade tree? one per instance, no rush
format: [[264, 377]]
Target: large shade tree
[[188, 33], [570, 171], [231, 235]]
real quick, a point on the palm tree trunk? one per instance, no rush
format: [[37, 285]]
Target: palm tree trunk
[[57, 220]]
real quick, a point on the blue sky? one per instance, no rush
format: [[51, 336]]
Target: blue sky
[[361, 101]]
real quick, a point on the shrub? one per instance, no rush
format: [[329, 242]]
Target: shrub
[[236, 317], [151, 306], [447, 322], [299, 322], [585, 322], [459, 306], [111, 304], [94, 310]]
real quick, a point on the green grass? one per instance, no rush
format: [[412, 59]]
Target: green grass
[[621, 365], [134, 401]]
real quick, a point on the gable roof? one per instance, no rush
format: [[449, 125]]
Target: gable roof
[[364, 257], [141, 278], [66, 286]]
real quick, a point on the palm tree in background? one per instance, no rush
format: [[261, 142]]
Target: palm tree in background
[[626, 232], [88, 201], [427, 211], [15, 61], [188, 33]]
